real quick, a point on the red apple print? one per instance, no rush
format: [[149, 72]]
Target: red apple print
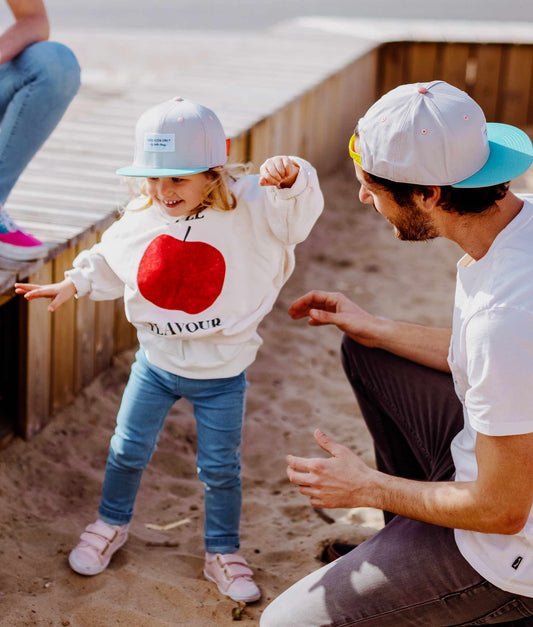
[[179, 275]]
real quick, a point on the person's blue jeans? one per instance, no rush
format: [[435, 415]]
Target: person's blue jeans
[[219, 410], [35, 89]]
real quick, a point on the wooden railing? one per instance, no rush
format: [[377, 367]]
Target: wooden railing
[[498, 76], [58, 355]]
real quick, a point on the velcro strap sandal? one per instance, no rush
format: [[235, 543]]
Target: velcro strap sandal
[[232, 576], [97, 545]]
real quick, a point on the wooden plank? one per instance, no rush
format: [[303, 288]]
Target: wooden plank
[[11, 321], [85, 312], [240, 148], [330, 137], [392, 64], [6, 297], [36, 356], [358, 93], [485, 86], [278, 133], [104, 328], [63, 339], [124, 334], [260, 142], [309, 145], [7, 279], [516, 85], [311, 140], [293, 125], [285, 131], [452, 63], [421, 63], [103, 332]]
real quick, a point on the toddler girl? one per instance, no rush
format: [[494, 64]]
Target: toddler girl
[[200, 257]]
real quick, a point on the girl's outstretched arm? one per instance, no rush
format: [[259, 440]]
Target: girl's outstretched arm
[[59, 292]]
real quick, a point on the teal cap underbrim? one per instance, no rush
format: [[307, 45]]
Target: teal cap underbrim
[[511, 154], [132, 170]]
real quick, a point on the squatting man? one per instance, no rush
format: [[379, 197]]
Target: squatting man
[[450, 410]]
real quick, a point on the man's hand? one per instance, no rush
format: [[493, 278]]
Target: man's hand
[[279, 171], [334, 308], [337, 481], [59, 292]]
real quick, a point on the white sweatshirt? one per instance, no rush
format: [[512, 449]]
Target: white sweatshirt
[[197, 287]]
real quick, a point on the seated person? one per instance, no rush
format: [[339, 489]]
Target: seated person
[[38, 79]]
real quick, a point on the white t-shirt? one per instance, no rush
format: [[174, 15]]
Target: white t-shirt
[[197, 287], [491, 360]]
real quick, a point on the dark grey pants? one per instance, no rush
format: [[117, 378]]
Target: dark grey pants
[[409, 573]]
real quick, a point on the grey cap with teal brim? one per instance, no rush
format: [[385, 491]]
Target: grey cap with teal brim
[[177, 138], [435, 134], [511, 154]]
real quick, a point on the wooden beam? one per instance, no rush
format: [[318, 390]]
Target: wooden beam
[[36, 359], [85, 314], [516, 85], [63, 339], [103, 332], [392, 66], [453, 59], [422, 62], [486, 85]]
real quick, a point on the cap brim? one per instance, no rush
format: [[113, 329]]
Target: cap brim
[[133, 170], [511, 154]]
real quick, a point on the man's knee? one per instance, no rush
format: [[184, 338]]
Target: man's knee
[[272, 616], [55, 66], [351, 352]]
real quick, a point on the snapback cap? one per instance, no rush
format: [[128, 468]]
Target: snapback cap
[[435, 134], [176, 138]]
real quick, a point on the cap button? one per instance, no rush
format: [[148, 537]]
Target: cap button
[[178, 99], [422, 90]]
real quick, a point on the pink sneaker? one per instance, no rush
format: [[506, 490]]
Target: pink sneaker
[[98, 543], [17, 244], [232, 575]]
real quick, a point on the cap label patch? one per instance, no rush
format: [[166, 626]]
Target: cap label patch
[[159, 142]]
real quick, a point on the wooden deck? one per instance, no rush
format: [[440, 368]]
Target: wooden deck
[[69, 194]]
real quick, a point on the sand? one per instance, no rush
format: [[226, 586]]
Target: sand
[[49, 486]]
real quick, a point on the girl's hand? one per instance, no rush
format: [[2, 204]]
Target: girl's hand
[[279, 171], [59, 292]]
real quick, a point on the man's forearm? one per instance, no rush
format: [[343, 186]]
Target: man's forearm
[[458, 505], [424, 345]]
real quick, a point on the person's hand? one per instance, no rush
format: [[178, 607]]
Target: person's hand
[[279, 171], [31, 25], [337, 481], [335, 308], [59, 292]]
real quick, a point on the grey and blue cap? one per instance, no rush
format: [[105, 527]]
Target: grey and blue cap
[[176, 138]]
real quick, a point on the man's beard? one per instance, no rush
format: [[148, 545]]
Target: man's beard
[[413, 225]]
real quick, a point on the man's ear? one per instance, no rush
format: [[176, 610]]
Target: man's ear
[[431, 195]]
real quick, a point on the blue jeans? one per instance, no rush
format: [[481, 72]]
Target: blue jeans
[[35, 89], [219, 411]]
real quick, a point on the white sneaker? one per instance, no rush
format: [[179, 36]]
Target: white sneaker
[[98, 543], [232, 575]]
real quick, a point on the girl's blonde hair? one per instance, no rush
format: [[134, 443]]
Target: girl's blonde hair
[[217, 192]]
